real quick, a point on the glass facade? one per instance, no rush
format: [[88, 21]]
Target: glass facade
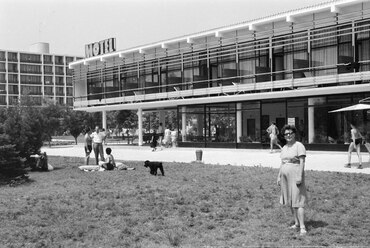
[[304, 54]]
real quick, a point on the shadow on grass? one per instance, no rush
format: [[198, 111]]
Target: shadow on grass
[[312, 224]]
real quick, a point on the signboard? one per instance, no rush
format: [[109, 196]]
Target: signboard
[[291, 121], [101, 47]]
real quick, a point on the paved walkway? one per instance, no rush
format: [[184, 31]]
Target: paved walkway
[[316, 160]]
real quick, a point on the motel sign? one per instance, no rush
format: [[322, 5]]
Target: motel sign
[[101, 47]]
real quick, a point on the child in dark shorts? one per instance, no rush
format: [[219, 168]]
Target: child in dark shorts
[[109, 163], [154, 141]]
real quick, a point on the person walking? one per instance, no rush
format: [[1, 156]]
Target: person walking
[[291, 177], [160, 133], [153, 141], [167, 137], [356, 140], [88, 145], [174, 135], [98, 138], [273, 131]]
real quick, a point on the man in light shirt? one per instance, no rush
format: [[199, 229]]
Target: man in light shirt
[[98, 139]]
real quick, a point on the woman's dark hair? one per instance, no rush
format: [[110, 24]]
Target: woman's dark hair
[[289, 127], [108, 151], [86, 130]]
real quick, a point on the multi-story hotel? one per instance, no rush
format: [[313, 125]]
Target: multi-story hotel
[[38, 74], [228, 84]]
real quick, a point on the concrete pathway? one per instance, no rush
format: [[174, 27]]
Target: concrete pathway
[[316, 160]]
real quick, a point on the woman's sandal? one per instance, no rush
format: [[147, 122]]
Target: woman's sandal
[[303, 231], [347, 166], [294, 227]]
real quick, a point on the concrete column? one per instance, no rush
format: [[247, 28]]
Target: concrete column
[[238, 122], [311, 116], [183, 123], [162, 118], [104, 119], [311, 124], [200, 124], [140, 125]]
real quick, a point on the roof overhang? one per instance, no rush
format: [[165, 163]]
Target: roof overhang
[[253, 26]]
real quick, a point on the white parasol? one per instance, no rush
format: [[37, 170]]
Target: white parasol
[[359, 106]]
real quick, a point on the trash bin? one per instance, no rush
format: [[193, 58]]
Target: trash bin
[[199, 154]]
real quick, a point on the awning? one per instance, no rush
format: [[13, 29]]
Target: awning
[[359, 106]]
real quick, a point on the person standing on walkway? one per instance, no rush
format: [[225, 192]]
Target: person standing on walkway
[[273, 131], [88, 145], [160, 133], [167, 137], [98, 138], [291, 177], [356, 140], [174, 135], [153, 141]]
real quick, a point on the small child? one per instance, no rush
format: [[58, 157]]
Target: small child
[[110, 164]]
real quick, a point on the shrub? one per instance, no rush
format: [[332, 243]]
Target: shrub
[[10, 162]]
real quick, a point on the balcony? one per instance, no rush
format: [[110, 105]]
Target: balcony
[[227, 90]]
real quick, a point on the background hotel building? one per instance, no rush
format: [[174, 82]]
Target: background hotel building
[[227, 84], [36, 73]]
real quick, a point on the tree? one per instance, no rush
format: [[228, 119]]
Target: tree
[[127, 118], [24, 127], [51, 115], [74, 122]]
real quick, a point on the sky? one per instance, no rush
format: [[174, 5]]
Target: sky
[[68, 25]]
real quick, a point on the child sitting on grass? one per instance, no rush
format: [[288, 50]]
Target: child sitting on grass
[[110, 164]]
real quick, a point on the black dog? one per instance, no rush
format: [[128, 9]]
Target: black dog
[[154, 166]]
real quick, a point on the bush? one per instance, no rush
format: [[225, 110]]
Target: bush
[[25, 129], [10, 163]]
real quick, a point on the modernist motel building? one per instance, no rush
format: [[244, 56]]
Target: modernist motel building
[[228, 84]]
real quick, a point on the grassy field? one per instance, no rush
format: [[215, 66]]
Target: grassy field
[[194, 205]]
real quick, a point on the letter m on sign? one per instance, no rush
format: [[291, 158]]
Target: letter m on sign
[[88, 50]]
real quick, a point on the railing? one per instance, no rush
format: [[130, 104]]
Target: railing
[[234, 89]]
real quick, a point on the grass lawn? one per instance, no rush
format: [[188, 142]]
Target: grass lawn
[[194, 205]]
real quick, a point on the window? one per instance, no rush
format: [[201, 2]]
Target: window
[[28, 79], [12, 67], [59, 70], [149, 78], [13, 89], [69, 81], [2, 56], [69, 60], [2, 78], [48, 59], [32, 69], [13, 78], [324, 51], [221, 123], [48, 90], [251, 122], [59, 60], [12, 57], [59, 81], [363, 44], [48, 80], [48, 69], [30, 58], [31, 90], [59, 91]]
